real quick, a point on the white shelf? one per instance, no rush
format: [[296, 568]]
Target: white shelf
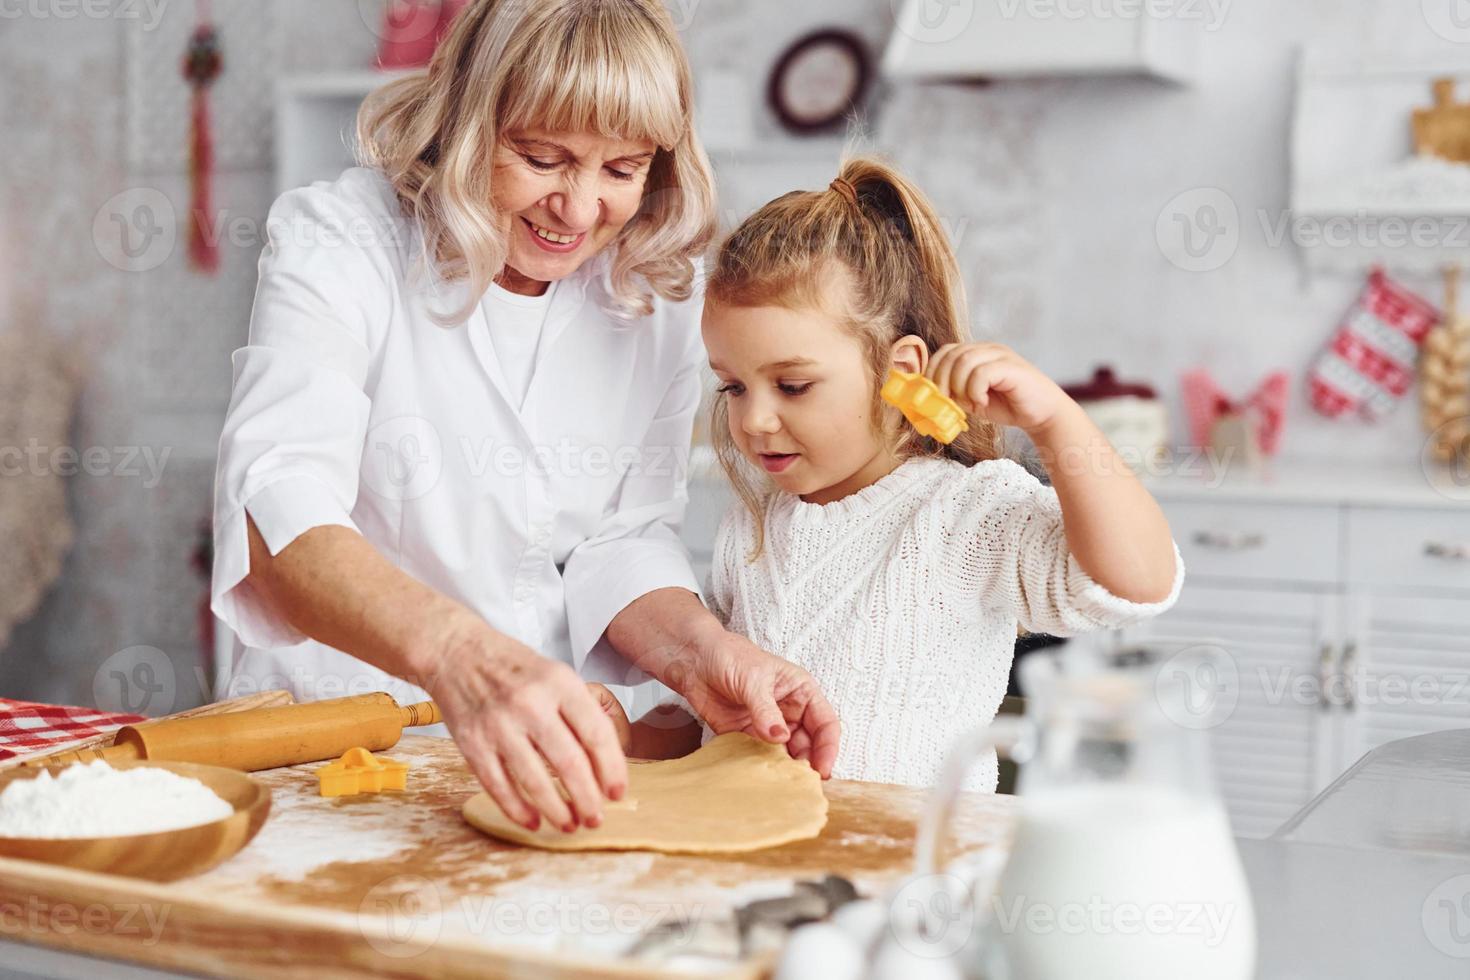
[[1358, 195], [338, 84], [316, 120]]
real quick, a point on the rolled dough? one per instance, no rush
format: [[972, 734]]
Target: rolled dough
[[735, 793]]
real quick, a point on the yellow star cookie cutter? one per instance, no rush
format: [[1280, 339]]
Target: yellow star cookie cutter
[[926, 407], [359, 771]]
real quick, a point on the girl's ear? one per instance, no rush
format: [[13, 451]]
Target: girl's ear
[[911, 354]]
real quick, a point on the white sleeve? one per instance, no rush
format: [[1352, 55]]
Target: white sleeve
[[1009, 548], [637, 549], [292, 442], [717, 593]]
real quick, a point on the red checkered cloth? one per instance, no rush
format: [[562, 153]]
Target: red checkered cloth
[[27, 727]]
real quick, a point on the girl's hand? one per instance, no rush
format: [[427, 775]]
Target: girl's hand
[[613, 708], [994, 383]]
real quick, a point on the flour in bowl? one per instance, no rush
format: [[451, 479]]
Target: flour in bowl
[[92, 799]]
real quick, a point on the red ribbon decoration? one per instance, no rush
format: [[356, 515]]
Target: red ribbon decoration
[[202, 64], [1205, 403]]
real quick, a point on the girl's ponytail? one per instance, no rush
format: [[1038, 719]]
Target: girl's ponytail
[[934, 309]]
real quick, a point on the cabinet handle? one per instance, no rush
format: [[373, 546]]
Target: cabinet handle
[[1324, 677], [1446, 551], [1229, 540], [1349, 675]]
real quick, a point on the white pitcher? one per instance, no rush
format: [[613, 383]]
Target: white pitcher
[[1123, 866]]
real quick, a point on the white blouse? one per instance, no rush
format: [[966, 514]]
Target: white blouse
[[519, 322], [352, 407]]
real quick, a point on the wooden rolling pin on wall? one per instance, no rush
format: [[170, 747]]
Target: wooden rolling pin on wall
[[263, 738]]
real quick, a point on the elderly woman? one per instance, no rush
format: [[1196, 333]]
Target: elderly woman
[[455, 458]]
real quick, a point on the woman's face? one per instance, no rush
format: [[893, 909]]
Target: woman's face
[[567, 195]]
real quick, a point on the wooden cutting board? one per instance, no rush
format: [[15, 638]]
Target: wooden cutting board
[[398, 885]]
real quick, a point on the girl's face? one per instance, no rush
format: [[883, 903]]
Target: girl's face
[[566, 195], [799, 389]]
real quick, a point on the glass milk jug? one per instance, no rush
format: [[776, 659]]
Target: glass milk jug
[[1123, 866]]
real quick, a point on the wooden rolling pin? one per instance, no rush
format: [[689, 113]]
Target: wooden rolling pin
[[263, 738]]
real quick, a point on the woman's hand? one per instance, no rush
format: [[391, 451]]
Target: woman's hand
[[994, 383], [513, 712], [735, 686], [613, 708]]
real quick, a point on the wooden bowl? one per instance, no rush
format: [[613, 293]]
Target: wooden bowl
[[164, 856]]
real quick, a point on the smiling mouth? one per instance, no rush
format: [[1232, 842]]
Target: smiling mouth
[[553, 241]]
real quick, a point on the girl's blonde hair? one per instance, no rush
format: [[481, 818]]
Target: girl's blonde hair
[[611, 67], [876, 231]]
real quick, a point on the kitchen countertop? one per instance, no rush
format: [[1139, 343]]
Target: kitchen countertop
[[398, 884], [1327, 911], [1188, 477], [1370, 878], [1367, 881], [1412, 794]]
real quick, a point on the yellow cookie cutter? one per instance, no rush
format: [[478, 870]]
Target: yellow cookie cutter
[[359, 771], [927, 408]]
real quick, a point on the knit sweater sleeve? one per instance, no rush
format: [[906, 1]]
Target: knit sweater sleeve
[[1008, 547]]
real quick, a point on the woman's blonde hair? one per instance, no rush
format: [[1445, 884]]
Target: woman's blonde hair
[[876, 231], [611, 67]]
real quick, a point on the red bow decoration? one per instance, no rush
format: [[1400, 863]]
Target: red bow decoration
[[1205, 403]]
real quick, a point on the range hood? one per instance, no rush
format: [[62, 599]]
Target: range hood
[[982, 39]]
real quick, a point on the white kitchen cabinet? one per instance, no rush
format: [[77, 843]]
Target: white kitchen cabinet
[[1342, 603], [1273, 743], [1405, 669], [1030, 38]]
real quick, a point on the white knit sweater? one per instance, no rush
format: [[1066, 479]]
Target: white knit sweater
[[902, 601]]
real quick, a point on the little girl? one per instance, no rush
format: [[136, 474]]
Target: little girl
[[894, 568]]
